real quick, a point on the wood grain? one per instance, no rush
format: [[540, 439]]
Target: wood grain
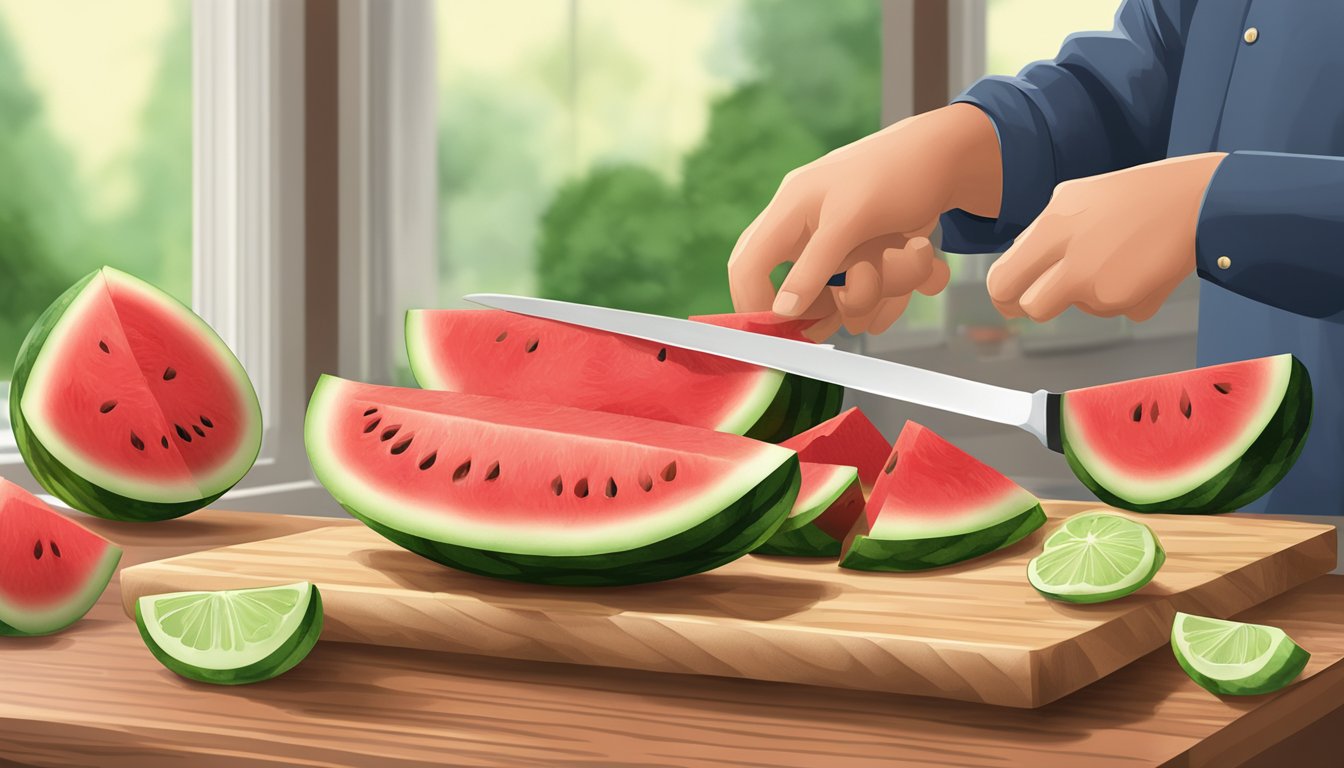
[[976, 632]]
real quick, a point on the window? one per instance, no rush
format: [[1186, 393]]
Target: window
[[97, 152]]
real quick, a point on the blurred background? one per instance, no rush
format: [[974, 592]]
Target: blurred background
[[602, 151]]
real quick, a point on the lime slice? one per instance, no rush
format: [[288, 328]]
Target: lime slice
[[1235, 659], [232, 637], [1095, 557]]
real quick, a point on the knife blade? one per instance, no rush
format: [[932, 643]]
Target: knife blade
[[1034, 412]]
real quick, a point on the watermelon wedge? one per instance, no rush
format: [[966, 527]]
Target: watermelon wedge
[[52, 570], [489, 352], [849, 439], [936, 505], [1206, 440], [543, 493], [829, 502], [127, 405]]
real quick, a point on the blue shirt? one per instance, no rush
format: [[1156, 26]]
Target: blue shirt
[[1179, 77]]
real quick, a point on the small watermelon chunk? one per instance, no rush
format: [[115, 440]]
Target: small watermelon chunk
[[1205, 440], [502, 354], [52, 570], [849, 439], [829, 502], [126, 405], [936, 505], [543, 493]]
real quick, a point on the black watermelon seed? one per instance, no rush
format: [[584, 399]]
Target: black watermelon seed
[[669, 472], [169, 374], [103, 346], [645, 481], [1137, 415], [137, 442], [182, 433], [369, 412], [1152, 414], [532, 345], [428, 461], [400, 446], [492, 473], [1223, 388], [200, 432], [163, 441], [37, 550], [1186, 407], [389, 433], [55, 550], [581, 488], [107, 407], [891, 463], [557, 486], [662, 355], [502, 336], [372, 425], [462, 471], [611, 488], [208, 423]]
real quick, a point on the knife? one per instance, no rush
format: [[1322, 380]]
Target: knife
[[1035, 412]]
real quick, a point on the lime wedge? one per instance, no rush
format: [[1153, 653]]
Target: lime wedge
[[231, 637], [1235, 659], [1094, 557]]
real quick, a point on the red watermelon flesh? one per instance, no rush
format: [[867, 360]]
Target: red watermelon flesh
[[525, 358], [929, 487], [1150, 440], [849, 439], [133, 393], [523, 477], [766, 323], [52, 570]]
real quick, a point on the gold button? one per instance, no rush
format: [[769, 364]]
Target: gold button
[[1251, 35], [1224, 262]]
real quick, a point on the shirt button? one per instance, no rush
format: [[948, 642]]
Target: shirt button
[[1251, 35], [1224, 262]]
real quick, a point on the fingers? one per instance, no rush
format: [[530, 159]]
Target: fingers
[[938, 278], [888, 312], [824, 328], [861, 293], [775, 237], [820, 258], [1037, 249], [909, 267], [1049, 296]]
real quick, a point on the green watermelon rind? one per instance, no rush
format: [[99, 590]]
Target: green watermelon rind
[[796, 405], [284, 658], [807, 541], [822, 499], [59, 480], [738, 529], [903, 555], [1252, 475], [75, 607]]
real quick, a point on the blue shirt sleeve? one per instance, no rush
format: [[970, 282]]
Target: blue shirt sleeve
[[1104, 103], [1271, 228]]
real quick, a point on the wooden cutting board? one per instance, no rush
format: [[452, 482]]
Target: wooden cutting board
[[975, 632]]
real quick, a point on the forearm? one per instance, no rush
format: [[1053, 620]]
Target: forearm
[[1271, 228]]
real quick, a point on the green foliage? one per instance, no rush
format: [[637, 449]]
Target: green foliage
[[621, 237]]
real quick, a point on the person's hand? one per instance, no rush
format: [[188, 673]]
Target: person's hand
[[867, 209], [1115, 244]]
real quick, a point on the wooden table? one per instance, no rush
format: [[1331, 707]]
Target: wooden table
[[94, 696]]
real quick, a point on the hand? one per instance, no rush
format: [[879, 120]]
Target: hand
[[1115, 244], [867, 209]]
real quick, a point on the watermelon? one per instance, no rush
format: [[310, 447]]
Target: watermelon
[[126, 405], [1206, 440], [849, 439], [489, 352], [52, 570], [936, 505], [829, 502], [543, 493]]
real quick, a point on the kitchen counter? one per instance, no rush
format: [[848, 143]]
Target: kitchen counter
[[93, 695]]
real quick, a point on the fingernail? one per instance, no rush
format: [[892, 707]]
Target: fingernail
[[786, 303]]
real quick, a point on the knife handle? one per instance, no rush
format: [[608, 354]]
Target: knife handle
[[837, 280]]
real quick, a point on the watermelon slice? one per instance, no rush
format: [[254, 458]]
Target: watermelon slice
[[543, 493], [936, 505], [849, 439], [52, 570], [1206, 440], [489, 352], [126, 405], [829, 502]]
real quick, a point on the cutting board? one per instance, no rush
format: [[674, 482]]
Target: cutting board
[[974, 632]]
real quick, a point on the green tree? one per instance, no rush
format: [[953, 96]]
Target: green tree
[[39, 207], [641, 245]]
